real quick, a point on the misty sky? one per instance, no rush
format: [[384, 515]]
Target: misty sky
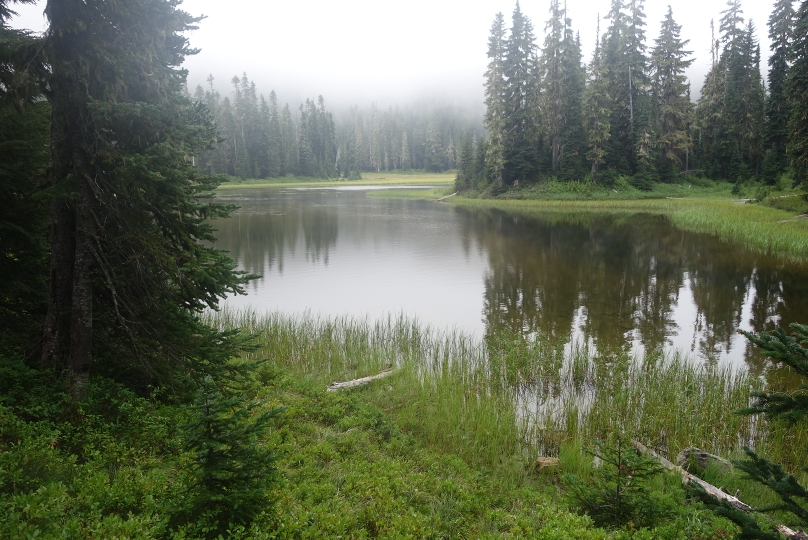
[[358, 51]]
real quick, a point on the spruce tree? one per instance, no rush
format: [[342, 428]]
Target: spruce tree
[[24, 160], [233, 467], [495, 100], [781, 30], [797, 92], [597, 116], [521, 119], [563, 80], [789, 351], [671, 95], [275, 165], [129, 262]]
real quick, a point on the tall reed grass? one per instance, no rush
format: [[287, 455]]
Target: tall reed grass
[[508, 399], [756, 227]]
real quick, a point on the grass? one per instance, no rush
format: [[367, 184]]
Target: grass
[[505, 402], [413, 194], [759, 228], [368, 179], [444, 448]]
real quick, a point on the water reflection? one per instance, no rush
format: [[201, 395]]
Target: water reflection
[[630, 281], [623, 282]]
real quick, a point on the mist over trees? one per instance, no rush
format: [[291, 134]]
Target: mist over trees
[[259, 138], [629, 111]]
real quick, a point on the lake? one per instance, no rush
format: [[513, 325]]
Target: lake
[[622, 282]]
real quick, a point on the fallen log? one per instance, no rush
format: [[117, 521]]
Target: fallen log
[[446, 197], [687, 477], [714, 491], [334, 386]]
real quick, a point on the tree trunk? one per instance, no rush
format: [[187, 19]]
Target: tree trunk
[[67, 333], [81, 319], [56, 331]]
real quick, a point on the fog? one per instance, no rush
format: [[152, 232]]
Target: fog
[[358, 51]]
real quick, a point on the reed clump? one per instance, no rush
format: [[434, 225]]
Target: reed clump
[[505, 400]]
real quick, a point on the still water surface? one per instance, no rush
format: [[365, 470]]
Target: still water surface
[[623, 282]]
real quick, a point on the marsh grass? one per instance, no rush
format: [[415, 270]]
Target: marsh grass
[[417, 194], [758, 228], [504, 401], [375, 179]]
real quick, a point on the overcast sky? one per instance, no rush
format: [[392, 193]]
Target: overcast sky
[[357, 51]]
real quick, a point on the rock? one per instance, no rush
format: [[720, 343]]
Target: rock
[[543, 463]]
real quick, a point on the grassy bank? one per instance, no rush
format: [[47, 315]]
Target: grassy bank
[[443, 448], [368, 179], [756, 227], [500, 405]]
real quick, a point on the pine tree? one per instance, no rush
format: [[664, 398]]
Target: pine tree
[[781, 30], [731, 110], [797, 92], [671, 95], [123, 133], [495, 99]]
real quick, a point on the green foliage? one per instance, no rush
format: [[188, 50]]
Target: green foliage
[[791, 408], [618, 494], [233, 467]]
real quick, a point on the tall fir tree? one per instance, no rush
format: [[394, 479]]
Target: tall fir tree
[[672, 109], [495, 100], [781, 31], [797, 92], [597, 117], [521, 118], [563, 79], [128, 226]]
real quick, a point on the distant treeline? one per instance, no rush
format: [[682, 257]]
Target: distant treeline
[[629, 111], [259, 139]]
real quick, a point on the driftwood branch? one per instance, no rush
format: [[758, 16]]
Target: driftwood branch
[[333, 387], [687, 477], [446, 197], [714, 491]]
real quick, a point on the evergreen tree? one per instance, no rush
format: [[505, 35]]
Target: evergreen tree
[[406, 161], [232, 466], [495, 100], [781, 30], [731, 109], [521, 119], [627, 82], [128, 259], [288, 142], [797, 92], [23, 173], [596, 105], [671, 95], [465, 166], [274, 151], [563, 79], [792, 407]]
